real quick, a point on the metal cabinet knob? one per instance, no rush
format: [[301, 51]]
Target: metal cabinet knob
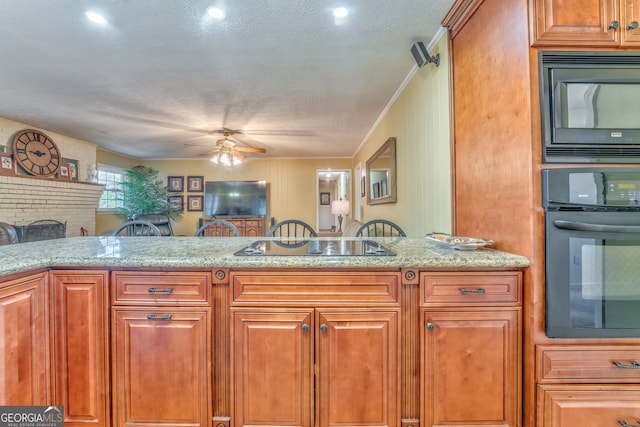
[[305, 327], [324, 327], [633, 25], [431, 326], [614, 25]]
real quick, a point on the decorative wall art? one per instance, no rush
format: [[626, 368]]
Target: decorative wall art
[[6, 163], [195, 184], [176, 202], [194, 203], [176, 184]]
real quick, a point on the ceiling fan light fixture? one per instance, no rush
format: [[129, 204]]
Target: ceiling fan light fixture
[[95, 17], [226, 158], [215, 12]]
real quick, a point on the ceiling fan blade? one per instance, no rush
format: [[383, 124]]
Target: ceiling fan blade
[[250, 149], [210, 152]]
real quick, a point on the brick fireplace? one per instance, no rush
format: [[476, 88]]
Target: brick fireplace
[[24, 200]]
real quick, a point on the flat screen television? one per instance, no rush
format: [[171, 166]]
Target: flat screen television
[[235, 198]]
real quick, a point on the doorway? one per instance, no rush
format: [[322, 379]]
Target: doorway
[[331, 185]]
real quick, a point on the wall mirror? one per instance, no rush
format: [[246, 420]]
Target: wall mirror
[[381, 174]]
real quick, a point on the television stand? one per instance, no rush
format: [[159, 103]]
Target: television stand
[[247, 226]]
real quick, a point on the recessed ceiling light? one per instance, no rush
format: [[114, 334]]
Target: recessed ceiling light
[[340, 12], [95, 17], [215, 12]]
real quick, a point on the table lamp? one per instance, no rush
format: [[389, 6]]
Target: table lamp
[[340, 207]]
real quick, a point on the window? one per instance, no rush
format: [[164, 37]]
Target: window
[[111, 178]]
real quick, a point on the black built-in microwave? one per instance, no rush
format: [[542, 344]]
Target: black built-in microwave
[[590, 106]]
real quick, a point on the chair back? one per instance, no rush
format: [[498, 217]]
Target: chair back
[[292, 228], [218, 228], [137, 228], [8, 234], [380, 228], [44, 230], [162, 221]]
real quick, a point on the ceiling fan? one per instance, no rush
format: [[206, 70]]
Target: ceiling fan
[[227, 152]]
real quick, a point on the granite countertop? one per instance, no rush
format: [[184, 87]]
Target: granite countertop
[[209, 252]]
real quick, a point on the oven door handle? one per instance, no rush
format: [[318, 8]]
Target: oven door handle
[[602, 228]]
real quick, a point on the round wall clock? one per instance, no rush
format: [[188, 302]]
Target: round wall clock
[[36, 153]]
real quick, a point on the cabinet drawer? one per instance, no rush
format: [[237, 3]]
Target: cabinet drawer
[[501, 288], [588, 364], [160, 287], [252, 223], [595, 405], [316, 288]]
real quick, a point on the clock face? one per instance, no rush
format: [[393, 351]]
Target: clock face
[[36, 153]]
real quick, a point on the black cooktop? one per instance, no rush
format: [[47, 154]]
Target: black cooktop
[[315, 248]]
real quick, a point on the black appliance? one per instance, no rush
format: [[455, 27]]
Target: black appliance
[[592, 243], [235, 198], [589, 106], [333, 247]]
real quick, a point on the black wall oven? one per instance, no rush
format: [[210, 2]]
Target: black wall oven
[[592, 243]]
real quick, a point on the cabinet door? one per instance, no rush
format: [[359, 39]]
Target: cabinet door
[[23, 343], [575, 23], [358, 368], [630, 23], [253, 228], [471, 372], [80, 320], [272, 367], [583, 405], [161, 367]]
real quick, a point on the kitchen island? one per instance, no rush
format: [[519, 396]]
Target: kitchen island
[[196, 332]]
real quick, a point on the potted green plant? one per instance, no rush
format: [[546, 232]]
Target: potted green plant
[[143, 192]]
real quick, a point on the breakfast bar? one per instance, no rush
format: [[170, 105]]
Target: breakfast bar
[[233, 332]]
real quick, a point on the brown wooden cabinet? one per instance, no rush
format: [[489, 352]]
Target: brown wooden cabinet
[[80, 320], [588, 405], [588, 385], [318, 360], [586, 23], [24, 373], [352, 352], [247, 226], [471, 329], [161, 341]]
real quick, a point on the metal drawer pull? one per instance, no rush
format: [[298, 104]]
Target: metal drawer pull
[[623, 423], [160, 291], [163, 317], [472, 291], [634, 365]]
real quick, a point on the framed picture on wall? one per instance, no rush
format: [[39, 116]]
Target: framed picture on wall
[[195, 184], [6, 163], [325, 198], [176, 202], [176, 184], [73, 168], [64, 172], [194, 203]]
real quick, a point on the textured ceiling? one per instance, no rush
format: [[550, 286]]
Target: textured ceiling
[[160, 80]]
